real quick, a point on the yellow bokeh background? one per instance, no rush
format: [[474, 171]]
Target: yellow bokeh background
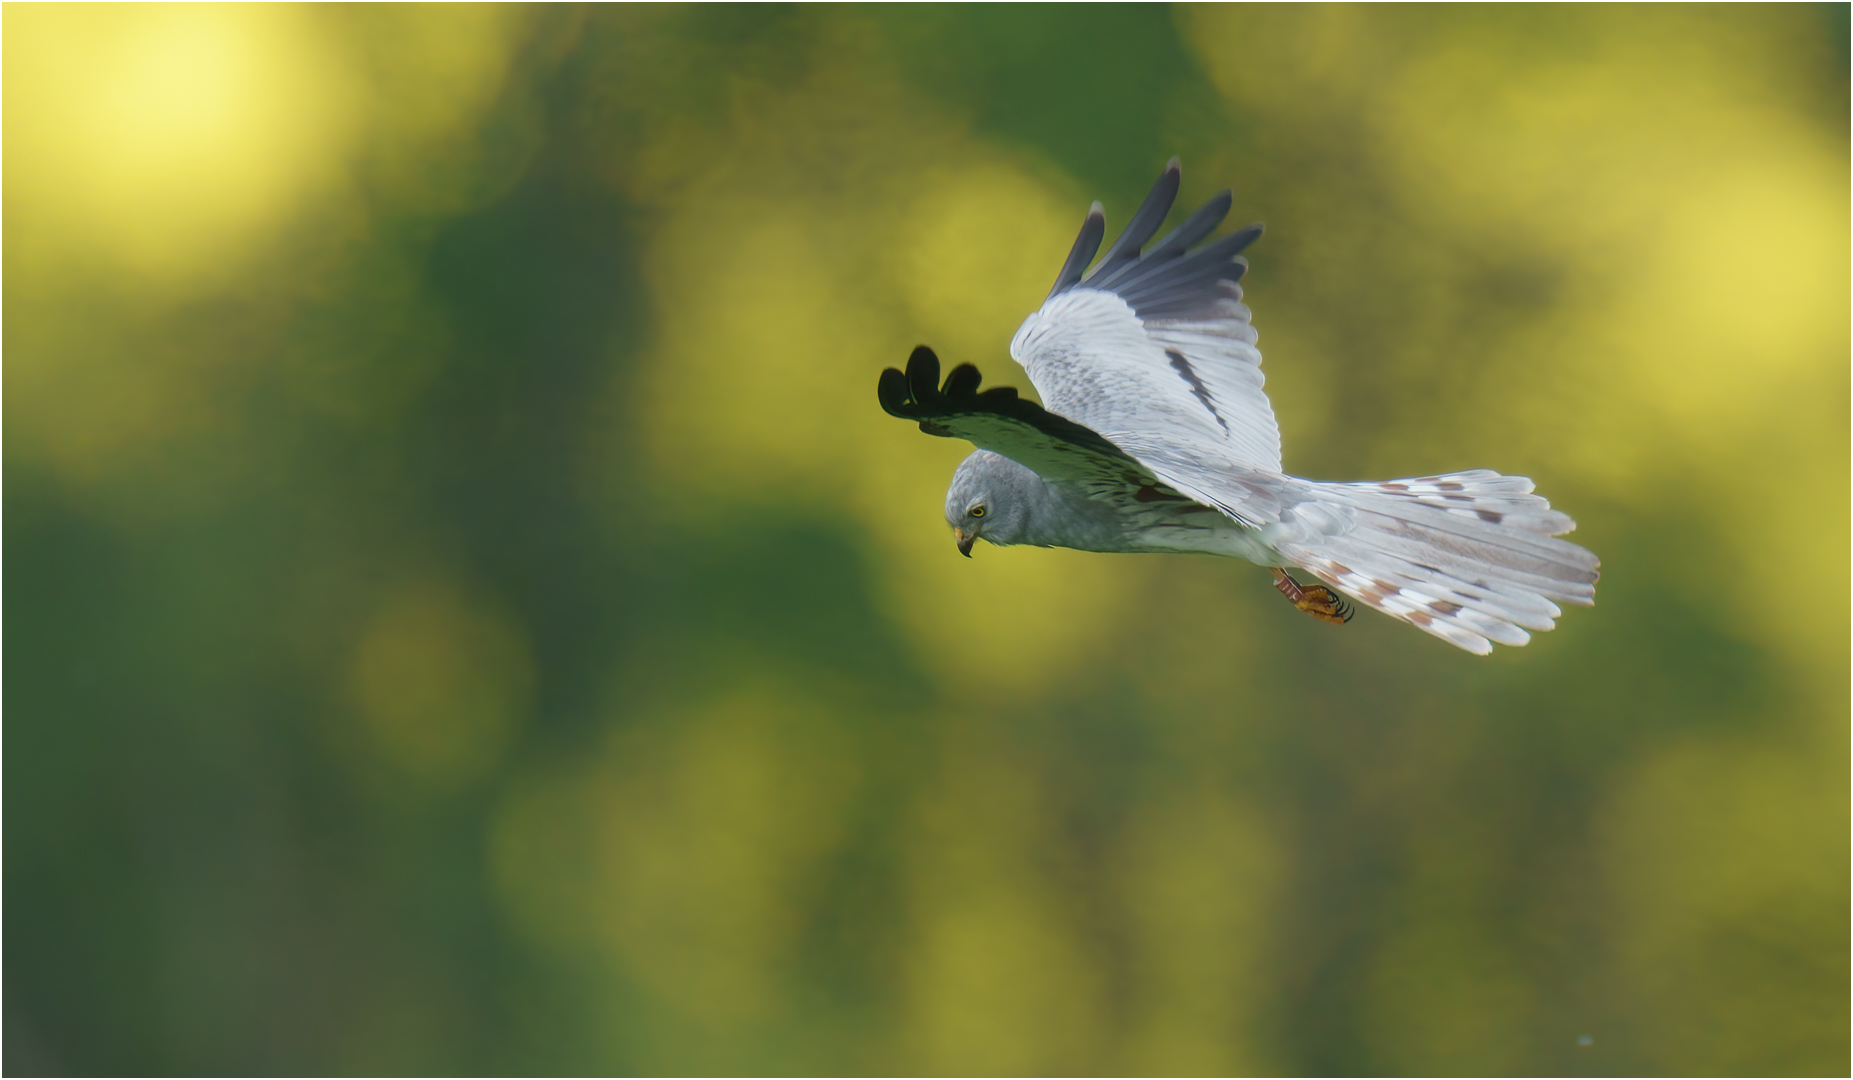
[[471, 614]]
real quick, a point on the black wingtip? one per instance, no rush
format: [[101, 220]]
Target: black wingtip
[[907, 394], [963, 382], [922, 374], [915, 395], [892, 392]]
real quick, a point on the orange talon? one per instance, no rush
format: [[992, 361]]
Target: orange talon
[[1315, 600]]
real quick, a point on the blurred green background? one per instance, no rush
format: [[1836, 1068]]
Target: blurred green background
[[470, 615]]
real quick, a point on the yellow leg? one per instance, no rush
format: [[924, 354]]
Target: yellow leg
[[1315, 600]]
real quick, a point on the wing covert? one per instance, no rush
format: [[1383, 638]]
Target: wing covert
[[1154, 350]]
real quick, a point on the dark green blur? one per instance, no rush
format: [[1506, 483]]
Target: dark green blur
[[467, 617]]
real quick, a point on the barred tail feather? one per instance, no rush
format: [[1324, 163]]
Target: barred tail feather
[[1470, 557]]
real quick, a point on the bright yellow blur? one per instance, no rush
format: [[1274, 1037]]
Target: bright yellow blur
[[169, 140], [188, 186]]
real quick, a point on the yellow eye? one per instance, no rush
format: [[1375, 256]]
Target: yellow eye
[[977, 511]]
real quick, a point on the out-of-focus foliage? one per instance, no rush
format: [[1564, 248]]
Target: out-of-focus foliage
[[470, 615]]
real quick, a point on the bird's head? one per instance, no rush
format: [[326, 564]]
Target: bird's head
[[991, 497]]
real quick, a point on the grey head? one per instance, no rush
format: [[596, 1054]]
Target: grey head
[[993, 497]]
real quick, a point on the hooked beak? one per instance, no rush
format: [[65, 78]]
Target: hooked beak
[[966, 539]]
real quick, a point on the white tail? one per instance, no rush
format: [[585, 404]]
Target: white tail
[[1469, 557]]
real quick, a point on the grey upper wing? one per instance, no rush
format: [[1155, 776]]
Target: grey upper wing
[[1053, 447], [1154, 351]]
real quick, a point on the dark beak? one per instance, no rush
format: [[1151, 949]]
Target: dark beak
[[966, 539]]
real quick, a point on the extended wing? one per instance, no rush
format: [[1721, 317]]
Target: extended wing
[[1154, 351], [1053, 447]]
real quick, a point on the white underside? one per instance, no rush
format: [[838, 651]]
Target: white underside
[[1208, 534]]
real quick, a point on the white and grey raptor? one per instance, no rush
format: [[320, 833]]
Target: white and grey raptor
[[1156, 436]]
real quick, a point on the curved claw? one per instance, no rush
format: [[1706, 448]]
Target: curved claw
[[1316, 600]]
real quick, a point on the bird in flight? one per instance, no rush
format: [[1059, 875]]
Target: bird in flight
[[1155, 436]]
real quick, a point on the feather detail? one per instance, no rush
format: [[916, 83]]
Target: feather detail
[[1144, 223], [1471, 557], [1093, 228]]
